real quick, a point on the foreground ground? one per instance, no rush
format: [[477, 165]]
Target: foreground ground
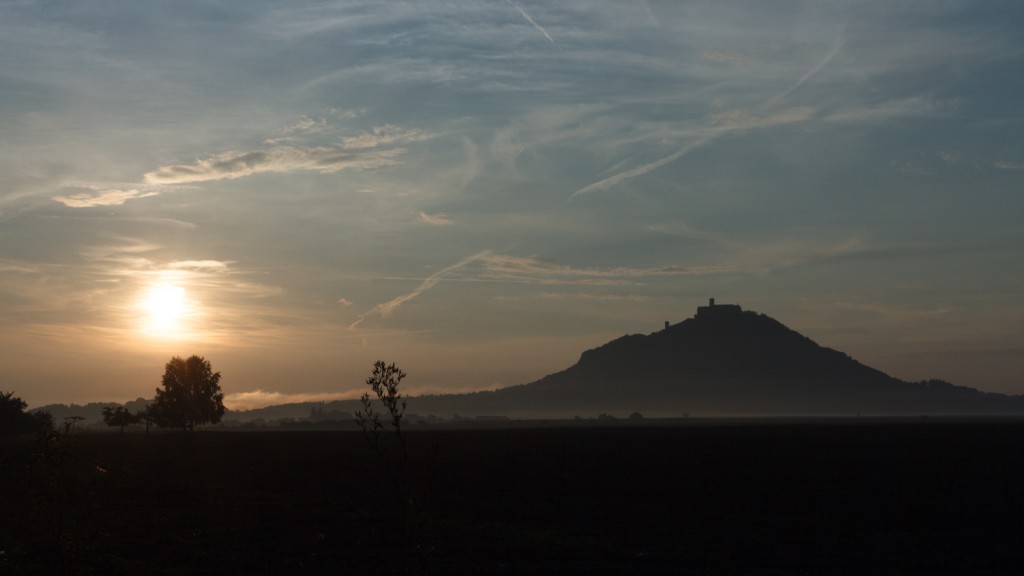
[[713, 498]]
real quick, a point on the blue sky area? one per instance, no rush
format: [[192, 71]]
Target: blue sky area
[[479, 191]]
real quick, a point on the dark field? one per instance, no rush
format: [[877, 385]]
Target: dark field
[[930, 497]]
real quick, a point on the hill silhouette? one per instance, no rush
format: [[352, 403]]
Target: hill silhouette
[[722, 361]]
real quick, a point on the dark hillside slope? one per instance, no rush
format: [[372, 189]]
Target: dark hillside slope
[[723, 361]]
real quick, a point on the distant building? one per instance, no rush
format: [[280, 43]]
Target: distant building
[[713, 309]]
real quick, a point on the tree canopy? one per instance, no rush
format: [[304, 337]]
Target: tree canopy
[[190, 395], [14, 420], [118, 416]]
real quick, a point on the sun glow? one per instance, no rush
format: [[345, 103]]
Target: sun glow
[[165, 309]]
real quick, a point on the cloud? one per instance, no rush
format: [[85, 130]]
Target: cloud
[[124, 254], [129, 259], [230, 165], [261, 398], [885, 111], [949, 157], [530, 270], [1004, 165], [739, 119], [436, 219], [199, 265], [898, 313], [680, 229], [543, 271], [726, 58], [502, 268], [107, 197], [17, 267], [356, 152], [763, 257], [307, 125], [591, 296], [383, 135]]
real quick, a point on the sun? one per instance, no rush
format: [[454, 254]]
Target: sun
[[165, 309]]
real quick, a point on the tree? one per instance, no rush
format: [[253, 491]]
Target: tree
[[383, 381], [14, 420], [41, 423], [146, 415], [190, 395], [118, 416]]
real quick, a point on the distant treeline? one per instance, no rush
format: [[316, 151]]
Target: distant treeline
[[335, 415], [306, 416]]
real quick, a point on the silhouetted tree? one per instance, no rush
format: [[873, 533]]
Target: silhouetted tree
[[14, 420], [383, 381], [190, 395], [12, 414], [41, 423], [118, 416], [146, 416]]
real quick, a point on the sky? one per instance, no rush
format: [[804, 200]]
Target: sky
[[479, 191]]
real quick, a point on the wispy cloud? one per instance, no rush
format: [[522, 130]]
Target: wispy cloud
[[230, 165], [312, 126], [122, 254], [383, 135], [763, 257], [860, 113], [106, 197], [125, 264], [261, 398], [1004, 165], [17, 267], [739, 118], [594, 296], [531, 270], [733, 58], [307, 125], [519, 268], [199, 265], [436, 219]]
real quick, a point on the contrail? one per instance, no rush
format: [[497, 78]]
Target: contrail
[[640, 170], [836, 46], [385, 309], [534, 22]]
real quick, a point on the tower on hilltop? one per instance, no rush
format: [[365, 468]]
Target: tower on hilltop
[[713, 309]]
